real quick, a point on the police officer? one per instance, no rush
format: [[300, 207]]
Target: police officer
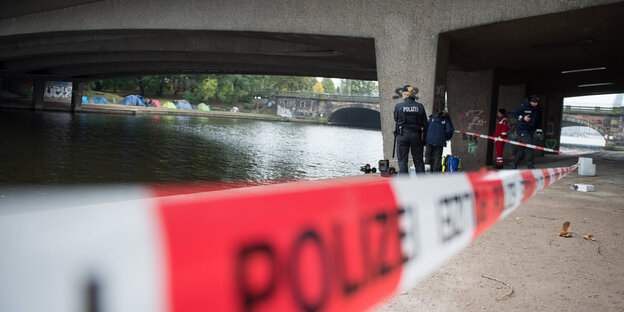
[[440, 130], [411, 123], [529, 116]]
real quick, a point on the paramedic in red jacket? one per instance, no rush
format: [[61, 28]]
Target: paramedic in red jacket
[[502, 127]]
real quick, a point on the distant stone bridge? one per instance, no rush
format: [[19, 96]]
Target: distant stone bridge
[[349, 110], [606, 120]]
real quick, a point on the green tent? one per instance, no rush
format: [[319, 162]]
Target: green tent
[[169, 105], [203, 107]]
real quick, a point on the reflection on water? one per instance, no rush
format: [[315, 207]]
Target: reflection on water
[[59, 148]]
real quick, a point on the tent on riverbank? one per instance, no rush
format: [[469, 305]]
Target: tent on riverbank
[[169, 105], [153, 103], [133, 100], [203, 107], [182, 104], [94, 100]]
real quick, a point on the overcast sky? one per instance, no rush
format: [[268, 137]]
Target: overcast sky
[[591, 100]]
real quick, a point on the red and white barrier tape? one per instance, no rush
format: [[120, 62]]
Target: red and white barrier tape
[[483, 136], [333, 245]]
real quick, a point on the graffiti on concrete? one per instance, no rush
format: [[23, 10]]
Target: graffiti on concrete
[[469, 138], [551, 143], [58, 91], [472, 149], [473, 118], [284, 112]]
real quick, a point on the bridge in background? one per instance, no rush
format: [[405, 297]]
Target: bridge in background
[[339, 109], [606, 120]]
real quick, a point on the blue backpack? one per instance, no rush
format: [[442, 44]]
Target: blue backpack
[[451, 163]]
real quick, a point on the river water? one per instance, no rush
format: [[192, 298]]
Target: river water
[[60, 148]]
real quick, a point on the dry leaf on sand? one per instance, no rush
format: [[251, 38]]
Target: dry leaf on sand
[[566, 226]]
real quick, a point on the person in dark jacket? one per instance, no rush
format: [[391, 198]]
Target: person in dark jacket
[[529, 116], [440, 130], [411, 125]]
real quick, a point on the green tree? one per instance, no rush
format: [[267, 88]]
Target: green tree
[[290, 83], [231, 88], [359, 87], [310, 82], [152, 84], [328, 85], [200, 88], [318, 88], [208, 89]]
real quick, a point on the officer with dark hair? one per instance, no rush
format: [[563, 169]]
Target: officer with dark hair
[[529, 116], [411, 125], [440, 130]]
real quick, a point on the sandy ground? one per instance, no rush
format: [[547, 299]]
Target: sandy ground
[[547, 272]]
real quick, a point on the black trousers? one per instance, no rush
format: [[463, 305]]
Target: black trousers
[[524, 151], [433, 157], [406, 142]]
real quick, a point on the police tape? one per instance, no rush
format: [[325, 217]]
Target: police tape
[[531, 146], [332, 245]]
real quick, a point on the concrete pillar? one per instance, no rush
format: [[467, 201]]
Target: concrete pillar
[[510, 97], [38, 92], [551, 123], [406, 54], [439, 97], [616, 129], [472, 98], [76, 101]]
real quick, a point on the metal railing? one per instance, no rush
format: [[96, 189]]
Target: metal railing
[[591, 109]]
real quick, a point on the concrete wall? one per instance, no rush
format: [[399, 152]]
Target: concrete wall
[[470, 97]]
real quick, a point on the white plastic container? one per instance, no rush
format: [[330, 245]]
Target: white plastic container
[[587, 168]]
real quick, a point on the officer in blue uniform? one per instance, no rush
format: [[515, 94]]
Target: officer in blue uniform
[[440, 130], [529, 116], [411, 125]]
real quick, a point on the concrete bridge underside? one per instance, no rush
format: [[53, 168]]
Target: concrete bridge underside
[[479, 55]]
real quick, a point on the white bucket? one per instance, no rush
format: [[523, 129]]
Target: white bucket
[[587, 168]]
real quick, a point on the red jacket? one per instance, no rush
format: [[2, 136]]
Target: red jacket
[[502, 127]]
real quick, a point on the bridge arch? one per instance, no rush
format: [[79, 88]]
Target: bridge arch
[[574, 121], [357, 115]]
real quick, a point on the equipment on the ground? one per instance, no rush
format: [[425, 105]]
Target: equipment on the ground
[[398, 130], [451, 163], [367, 169], [384, 164]]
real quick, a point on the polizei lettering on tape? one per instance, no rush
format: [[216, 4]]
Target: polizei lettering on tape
[[316, 267], [345, 256]]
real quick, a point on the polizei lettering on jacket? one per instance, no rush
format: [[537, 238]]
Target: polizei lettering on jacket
[[410, 109]]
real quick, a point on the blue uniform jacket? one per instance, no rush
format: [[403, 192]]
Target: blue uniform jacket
[[440, 129], [410, 115], [535, 124]]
